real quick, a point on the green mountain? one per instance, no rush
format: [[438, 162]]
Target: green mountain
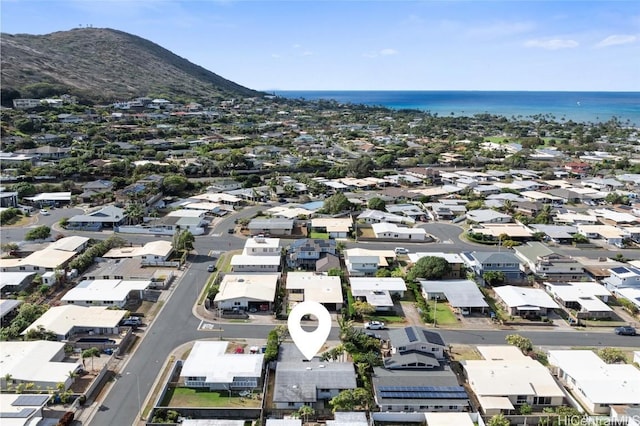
[[102, 64]]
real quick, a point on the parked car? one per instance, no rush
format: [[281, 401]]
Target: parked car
[[44, 212], [625, 330], [211, 268], [131, 322], [401, 250], [374, 325], [230, 231]]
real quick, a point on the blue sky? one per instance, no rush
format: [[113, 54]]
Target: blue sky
[[374, 45]]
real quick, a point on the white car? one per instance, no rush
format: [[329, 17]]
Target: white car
[[44, 212], [374, 325]]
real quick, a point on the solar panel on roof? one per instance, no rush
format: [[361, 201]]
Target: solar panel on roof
[[411, 334], [30, 400], [421, 389], [425, 395], [620, 270], [22, 414]]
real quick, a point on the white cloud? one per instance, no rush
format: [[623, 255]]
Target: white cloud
[[307, 53], [616, 40], [388, 52], [382, 52], [552, 44], [501, 29], [275, 55]]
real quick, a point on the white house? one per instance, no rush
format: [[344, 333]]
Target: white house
[[622, 277], [316, 287], [525, 301], [488, 216], [392, 231], [377, 291], [506, 379], [241, 263], [105, 292], [609, 233], [540, 260], [67, 320], [247, 291], [614, 384], [39, 362], [22, 409], [335, 227], [587, 298], [262, 246], [209, 366]]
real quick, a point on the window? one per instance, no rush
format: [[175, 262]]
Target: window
[[291, 404], [521, 399], [542, 400], [36, 268]]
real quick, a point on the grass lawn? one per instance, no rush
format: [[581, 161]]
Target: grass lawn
[[444, 315], [187, 397], [388, 319], [319, 235], [464, 352]]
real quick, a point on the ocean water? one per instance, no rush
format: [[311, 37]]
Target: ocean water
[[560, 106]]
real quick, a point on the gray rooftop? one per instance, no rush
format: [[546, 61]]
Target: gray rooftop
[[459, 293], [409, 335]]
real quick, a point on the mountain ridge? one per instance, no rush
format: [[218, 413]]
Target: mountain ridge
[[105, 64]]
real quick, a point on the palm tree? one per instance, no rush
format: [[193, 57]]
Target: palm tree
[[305, 411]]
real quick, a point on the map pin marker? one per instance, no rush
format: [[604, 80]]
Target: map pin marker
[[309, 342]]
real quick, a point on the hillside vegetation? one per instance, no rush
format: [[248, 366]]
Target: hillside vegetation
[[102, 64]]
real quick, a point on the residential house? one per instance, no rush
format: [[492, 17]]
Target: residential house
[[412, 212], [46, 152], [377, 291], [209, 366], [8, 199], [462, 295], [41, 261], [9, 309], [455, 261], [100, 292], [621, 277], [587, 299], [247, 291], [560, 234], [578, 169], [95, 189], [314, 383], [610, 234], [312, 286], [391, 231], [39, 362], [495, 261], [525, 302], [361, 266], [405, 391], [506, 379], [65, 321], [540, 260], [417, 340], [15, 282], [109, 217], [151, 254], [305, 253], [615, 384], [23, 409], [44, 199], [262, 246], [129, 269], [73, 243], [241, 263], [271, 226], [335, 227], [488, 216], [377, 216]]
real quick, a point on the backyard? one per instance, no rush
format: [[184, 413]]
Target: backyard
[[188, 397]]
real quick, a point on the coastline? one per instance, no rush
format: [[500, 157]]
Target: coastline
[[595, 107]]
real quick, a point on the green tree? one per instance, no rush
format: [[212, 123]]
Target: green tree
[[580, 239], [612, 355], [377, 203], [351, 399], [494, 277], [38, 233], [183, 241], [24, 189], [498, 420], [305, 411], [336, 203], [91, 353], [363, 308], [361, 167], [175, 184], [522, 343], [525, 409], [429, 268]]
